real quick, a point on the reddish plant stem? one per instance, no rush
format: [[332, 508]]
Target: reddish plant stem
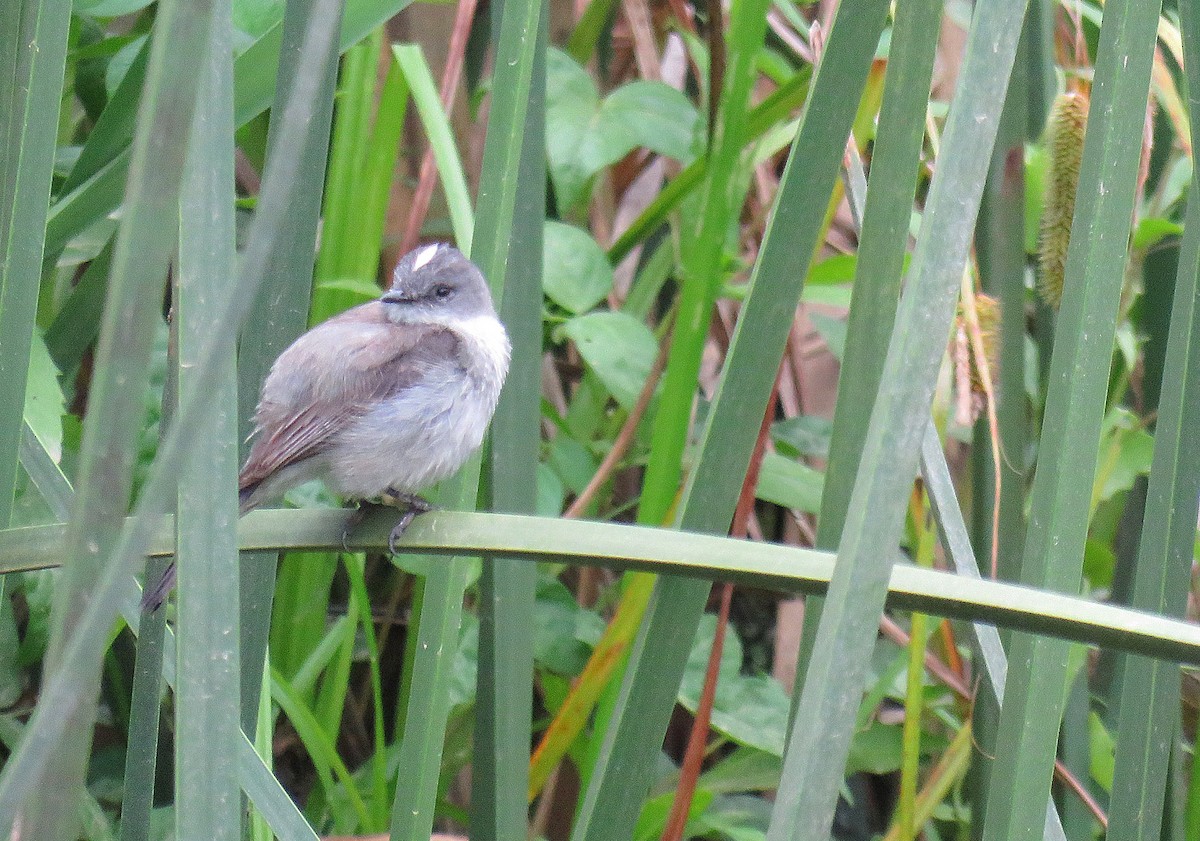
[[450, 79], [624, 439], [693, 757]]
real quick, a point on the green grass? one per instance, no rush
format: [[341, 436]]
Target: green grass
[[1084, 333], [367, 688]]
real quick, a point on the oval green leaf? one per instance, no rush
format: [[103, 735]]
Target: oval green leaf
[[618, 347], [577, 275]]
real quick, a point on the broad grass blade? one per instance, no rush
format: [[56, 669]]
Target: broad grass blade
[[883, 241], [504, 696], [1033, 700], [822, 728], [207, 709], [441, 609], [280, 310], [631, 745], [33, 46], [112, 425], [1149, 704]]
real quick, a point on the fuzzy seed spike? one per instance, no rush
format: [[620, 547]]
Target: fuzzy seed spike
[[1067, 126]]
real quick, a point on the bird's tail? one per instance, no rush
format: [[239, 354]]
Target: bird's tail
[[246, 499]]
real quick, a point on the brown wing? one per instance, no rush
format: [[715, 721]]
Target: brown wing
[[331, 375]]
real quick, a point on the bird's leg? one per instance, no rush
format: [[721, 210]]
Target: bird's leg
[[415, 504], [410, 504]]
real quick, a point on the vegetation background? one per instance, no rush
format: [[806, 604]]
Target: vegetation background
[[764, 264]]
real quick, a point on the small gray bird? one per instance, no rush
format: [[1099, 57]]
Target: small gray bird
[[388, 397]]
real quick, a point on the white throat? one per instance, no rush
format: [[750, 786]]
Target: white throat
[[486, 340]]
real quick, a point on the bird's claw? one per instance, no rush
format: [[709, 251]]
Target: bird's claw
[[397, 530], [416, 505]]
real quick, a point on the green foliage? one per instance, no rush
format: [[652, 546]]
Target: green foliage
[[582, 276], [652, 201], [585, 134], [618, 348]]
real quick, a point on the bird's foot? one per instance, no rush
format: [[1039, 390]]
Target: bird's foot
[[415, 505]]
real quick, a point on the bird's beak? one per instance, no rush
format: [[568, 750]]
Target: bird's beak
[[395, 296]]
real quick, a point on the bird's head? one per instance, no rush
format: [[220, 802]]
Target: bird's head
[[436, 283]]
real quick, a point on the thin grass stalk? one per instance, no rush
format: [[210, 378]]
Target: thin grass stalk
[[436, 122], [942, 780], [914, 694], [319, 743], [630, 748], [141, 750], [115, 411], [263, 749], [65, 688], [404, 684], [1074, 750], [427, 708], [260, 785], [327, 705], [878, 272], [330, 702], [343, 188], [1192, 804], [701, 250], [361, 601], [816, 755], [504, 695], [151, 650], [1000, 250], [207, 706], [957, 542], [33, 45], [1146, 727], [1079, 368], [383, 148], [464, 15], [1042, 67], [280, 311], [300, 609], [1174, 817], [694, 752], [705, 557], [1000, 246]]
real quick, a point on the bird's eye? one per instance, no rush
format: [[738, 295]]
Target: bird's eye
[[442, 291]]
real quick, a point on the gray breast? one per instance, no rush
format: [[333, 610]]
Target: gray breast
[[418, 437]]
